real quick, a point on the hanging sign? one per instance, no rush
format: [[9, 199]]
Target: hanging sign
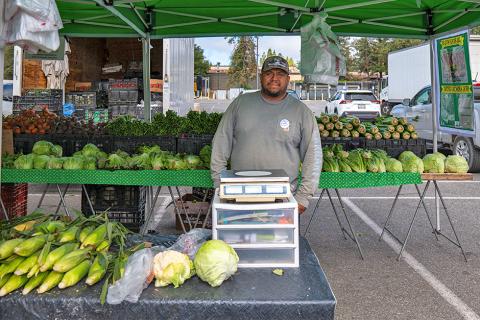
[[453, 85]]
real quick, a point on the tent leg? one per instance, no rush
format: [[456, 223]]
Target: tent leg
[[146, 77], [2, 57], [433, 95]]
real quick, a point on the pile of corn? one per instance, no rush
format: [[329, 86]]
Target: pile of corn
[[351, 127], [52, 253]]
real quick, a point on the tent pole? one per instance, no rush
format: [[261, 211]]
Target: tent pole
[[434, 121], [433, 95], [146, 78], [2, 57]]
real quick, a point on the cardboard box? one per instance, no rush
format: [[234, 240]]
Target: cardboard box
[[83, 86], [156, 85], [7, 141]]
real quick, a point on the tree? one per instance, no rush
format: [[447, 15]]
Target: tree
[[200, 64], [8, 68], [270, 52], [243, 65], [364, 53], [475, 30], [346, 49]]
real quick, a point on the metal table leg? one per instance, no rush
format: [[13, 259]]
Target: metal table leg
[[183, 208], [43, 195], [209, 211], [349, 224], [413, 219], [62, 200], [344, 231], [5, 213], [391, 211], [177, 212], [426, 212], [90, 205], [450, 221], [314, 212], [150, 212]]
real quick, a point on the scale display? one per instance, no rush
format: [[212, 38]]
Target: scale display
[[254, 185]]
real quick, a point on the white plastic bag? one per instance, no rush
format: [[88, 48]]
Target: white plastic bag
[[321, 58], [190, 242], [137, 273]]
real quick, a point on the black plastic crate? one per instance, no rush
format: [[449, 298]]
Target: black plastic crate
[[203, 194], [347, 143], [130, 144], [74, 143], [192, 144], [23, 143], [395, 147], [125, 204]]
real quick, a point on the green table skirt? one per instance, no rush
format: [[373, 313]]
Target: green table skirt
[[192, 178]]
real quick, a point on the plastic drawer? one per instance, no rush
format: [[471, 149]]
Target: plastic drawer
[[257, 236], [265, 257], [261, 216]]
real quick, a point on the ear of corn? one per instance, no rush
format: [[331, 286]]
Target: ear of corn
[[50, 226], [27, 264], [29, 246], [73, 276], [13, 283], [34, 271], [11, 266], [4, 280], [7, 248], [98, 269], [34, 282], [69, 234], [94, 238], [50, 281], [84, 233], [25, 226], [70, 260], [103, 246], [56, 255]]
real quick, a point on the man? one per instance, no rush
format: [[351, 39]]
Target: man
[[270, 129]]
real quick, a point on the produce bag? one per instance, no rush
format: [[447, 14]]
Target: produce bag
[[321, 58], [139, 269]]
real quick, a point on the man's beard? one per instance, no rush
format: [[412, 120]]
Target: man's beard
[[273, 94]]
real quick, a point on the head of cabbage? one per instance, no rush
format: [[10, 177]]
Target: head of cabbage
[[73, 163], [393, 165], [433, 163], [42, 148], [90, 150], [456, 164], [172, 267], [24, 161], [40, 161], [406, 155], [215, 262], [413, 164]]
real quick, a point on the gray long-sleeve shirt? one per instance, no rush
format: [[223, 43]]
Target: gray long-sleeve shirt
[[257, 134]]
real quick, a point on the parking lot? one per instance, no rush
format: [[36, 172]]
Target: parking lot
[[431, 281]]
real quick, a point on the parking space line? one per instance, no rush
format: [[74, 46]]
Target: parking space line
[[439, 287], [408, 198]]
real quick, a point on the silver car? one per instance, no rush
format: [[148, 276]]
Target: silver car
[[420, 108]]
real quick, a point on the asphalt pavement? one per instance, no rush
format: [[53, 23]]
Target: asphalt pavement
[[431, 280]]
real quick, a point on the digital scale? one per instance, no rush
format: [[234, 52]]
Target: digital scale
[[254, 185]]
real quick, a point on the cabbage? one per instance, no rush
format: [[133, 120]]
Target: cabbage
[[57, 151], [42, 148], [172, 267], [141, 162], [73, 163], [205, 155], [149, 150], [343, 166], [90, 150], [192, 161], [413, 164], [40, 161], [456, 164], [215, 262], [356, 162], [382, 154], [102, 154], [393, 165], [441, 155], [406, 155], [433, 163], [330, 165], [122, 153], [24, 162], [90, 163], [55, 163]]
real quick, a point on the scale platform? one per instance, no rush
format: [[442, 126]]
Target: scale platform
[[254, 185]]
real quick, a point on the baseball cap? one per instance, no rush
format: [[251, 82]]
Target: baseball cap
[[275, 62]]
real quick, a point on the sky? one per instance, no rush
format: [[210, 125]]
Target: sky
[[218, 50]]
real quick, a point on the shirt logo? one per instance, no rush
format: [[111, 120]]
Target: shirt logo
[[285, 124]]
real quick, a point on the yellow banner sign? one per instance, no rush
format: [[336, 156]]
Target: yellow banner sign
[[457, 89], [449, 42]]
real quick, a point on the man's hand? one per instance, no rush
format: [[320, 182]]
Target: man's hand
[[301, 209]]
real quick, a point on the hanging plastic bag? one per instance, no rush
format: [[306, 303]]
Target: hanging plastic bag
[[321, 58], [38, 9], [190, 242]]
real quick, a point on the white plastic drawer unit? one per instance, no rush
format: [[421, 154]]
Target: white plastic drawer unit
[[257, 258], [257, 236], [262, 234]]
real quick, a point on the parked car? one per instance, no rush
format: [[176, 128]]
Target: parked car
[[420, 107], [360, 103]]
